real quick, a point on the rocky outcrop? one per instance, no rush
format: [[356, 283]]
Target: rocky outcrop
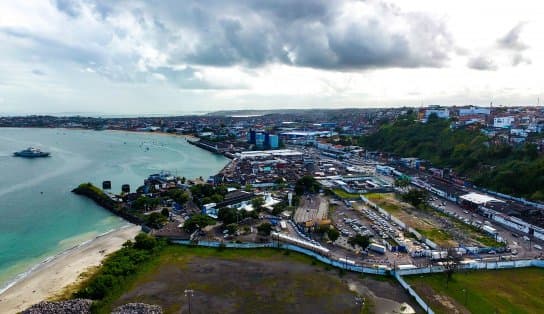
[[75, 306], [138, 308]]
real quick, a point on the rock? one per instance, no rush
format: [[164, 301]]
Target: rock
[[75, 306], [138, 308]]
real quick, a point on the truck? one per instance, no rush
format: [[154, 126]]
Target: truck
[[377, 248], [489, 229]]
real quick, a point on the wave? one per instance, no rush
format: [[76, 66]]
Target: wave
[[54, 257]]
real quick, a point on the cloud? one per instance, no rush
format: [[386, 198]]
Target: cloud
[[38, 72], [512, 39], [482, 63], [518, 59], [128, 40], [339, 35]]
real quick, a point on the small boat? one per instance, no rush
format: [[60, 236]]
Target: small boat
[[31, 152]]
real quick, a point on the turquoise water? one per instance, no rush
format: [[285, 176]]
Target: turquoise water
[[40, 217]]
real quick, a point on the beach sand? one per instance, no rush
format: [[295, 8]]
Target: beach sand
[[52, 277]]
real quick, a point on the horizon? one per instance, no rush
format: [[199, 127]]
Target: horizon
[[231, 112]]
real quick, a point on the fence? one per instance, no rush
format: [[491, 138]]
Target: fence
[[413, 293], [324, 259], [369, 270]]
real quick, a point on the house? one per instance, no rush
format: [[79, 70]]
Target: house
[[503, 122]]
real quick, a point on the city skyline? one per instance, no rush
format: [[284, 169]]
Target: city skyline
[[141, 57]]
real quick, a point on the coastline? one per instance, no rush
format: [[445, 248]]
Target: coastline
[[52, 275]]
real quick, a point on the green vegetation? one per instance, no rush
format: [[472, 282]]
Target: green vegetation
[[257, 203], [144, 203], [501, 291], [156, 220], [264, 228], [205, 193], [91, 191], [386, 201], [118, 270], [512, 170], [307, 184], [436, 235], [232, 215], [417, 198], [179, 196], [362, 241], [197, 221], [333, 234], [345, 195]]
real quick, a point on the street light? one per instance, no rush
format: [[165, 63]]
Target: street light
[[189, 293]]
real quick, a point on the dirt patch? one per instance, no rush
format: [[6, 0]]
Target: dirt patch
[[257, 286], [438, 302]]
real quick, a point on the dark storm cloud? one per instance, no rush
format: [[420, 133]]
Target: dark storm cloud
[[138, 40], [512, 39], [482, 63], [317, 34]]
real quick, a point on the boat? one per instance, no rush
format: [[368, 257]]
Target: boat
[[32, 152]]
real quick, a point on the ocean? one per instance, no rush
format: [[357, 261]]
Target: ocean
[[40, 217]]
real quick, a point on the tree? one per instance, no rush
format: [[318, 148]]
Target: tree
[[197, 221], [165, 212], [228, 215], [232, 228], [416, 197], [179, 196], [257, 203], [402, 182], [306, 184], [333, 234], [155, 220], [264, 229], [451, 264], [362, 241], [144, 241]]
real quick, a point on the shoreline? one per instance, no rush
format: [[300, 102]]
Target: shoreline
[[49, 277]]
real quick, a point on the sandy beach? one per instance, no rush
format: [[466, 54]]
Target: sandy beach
[[51, 277]]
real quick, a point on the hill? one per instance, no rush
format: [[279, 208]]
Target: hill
[[512, 170]]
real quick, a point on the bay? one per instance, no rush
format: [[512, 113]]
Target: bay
[[40, 217]]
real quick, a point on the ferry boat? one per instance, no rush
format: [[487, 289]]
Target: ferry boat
[[32, 152]]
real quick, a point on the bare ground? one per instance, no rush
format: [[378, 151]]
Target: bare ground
[[260, 286]]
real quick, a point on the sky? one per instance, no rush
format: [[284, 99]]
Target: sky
[[176, 57]]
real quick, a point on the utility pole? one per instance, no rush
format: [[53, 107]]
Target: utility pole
[[189, 293]]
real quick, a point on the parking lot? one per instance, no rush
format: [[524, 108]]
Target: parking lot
[[520, 246]]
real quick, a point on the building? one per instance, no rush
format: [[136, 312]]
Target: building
[[263, 140], [474, 111], [274, 141], [442, 113], [503, 122], [304, 137]]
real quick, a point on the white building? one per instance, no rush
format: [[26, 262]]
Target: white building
[[474, 111], [503, 122]]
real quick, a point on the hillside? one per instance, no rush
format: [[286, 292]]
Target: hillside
[[513, 170]]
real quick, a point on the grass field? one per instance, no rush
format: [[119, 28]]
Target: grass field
[[252, 281], [407, 214], [345, 195], [386, 201], [501, 291]]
